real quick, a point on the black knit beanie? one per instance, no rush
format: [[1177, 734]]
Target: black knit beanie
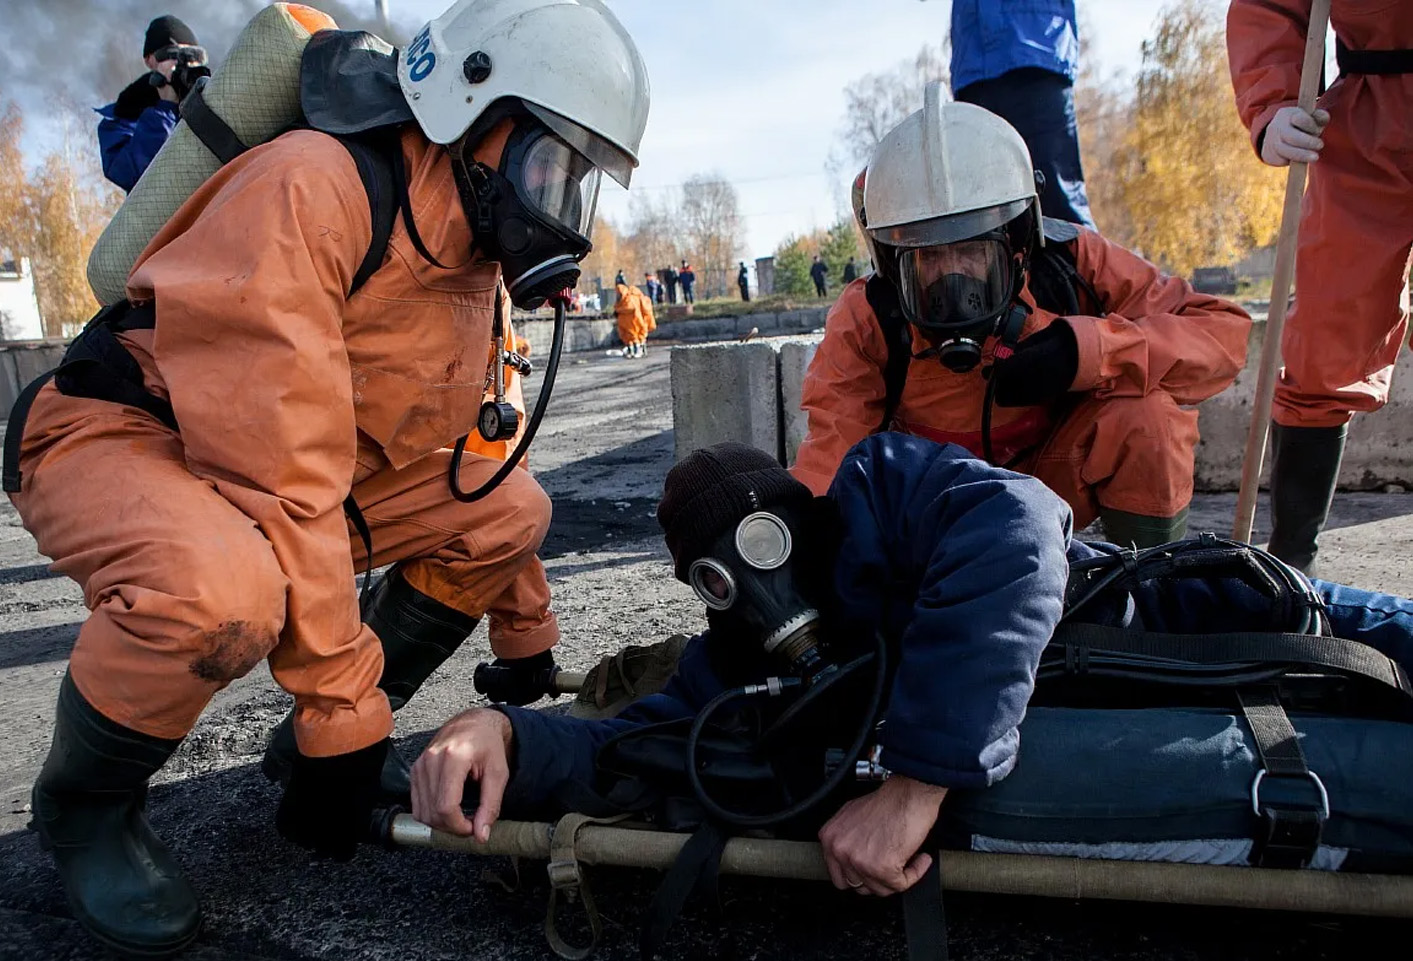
[[712, 489], [165, 31]]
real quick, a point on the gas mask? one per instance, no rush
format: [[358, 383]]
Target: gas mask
[[534, 214], [959, 294], [754, 584]]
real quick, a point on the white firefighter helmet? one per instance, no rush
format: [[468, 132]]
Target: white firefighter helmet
[[948, 172], [570, 62]]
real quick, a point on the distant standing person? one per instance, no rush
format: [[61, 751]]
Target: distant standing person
[[688, 277], [652, 288], [669, 279], [620, 279], [818, 272], [1018, 59], [136, 125], [851, 272], [743, 281]]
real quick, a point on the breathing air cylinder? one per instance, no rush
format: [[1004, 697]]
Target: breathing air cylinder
[[255, 91]]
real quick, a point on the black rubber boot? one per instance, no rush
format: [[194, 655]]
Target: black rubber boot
[[1304, 468], [1139, 530], [418, 634], [122, 883]]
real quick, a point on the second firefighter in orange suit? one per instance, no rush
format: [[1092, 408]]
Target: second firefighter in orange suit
[[197, 491], [1097, 404], [1356, 228], [635, 319]]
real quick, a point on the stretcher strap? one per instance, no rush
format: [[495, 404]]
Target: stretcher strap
[[209, 128], [565, 875], [1350, 657], [696, 869], [924, 917], [1291, 833]]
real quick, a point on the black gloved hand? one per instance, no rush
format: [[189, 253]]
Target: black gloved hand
[[329, 801], [521, 680], [1042, 368], [135, 98]]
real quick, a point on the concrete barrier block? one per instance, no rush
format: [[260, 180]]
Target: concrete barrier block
[[724, 392], [1379, 451], [795, 357]]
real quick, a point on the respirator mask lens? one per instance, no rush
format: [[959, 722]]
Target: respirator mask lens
[[559, 183], [713, 583], [950, 287], [763, 541]]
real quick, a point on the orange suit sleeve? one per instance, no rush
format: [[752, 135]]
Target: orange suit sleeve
[[1158, 334], [250, 345], [843, 394], [1265, 47]]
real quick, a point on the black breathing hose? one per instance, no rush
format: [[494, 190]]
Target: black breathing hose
[[541, 404], [880, 660], [988, 402]]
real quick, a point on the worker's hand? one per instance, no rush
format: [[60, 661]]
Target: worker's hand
[[1042, 369], [474, 744], [1293, 136], [871, 844]]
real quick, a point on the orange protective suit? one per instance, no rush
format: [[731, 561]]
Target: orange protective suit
[[201, 552], [1356, 222], [635, 315], [1126, 443]]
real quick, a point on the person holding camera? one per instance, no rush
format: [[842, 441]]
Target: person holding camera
[[135, 126]]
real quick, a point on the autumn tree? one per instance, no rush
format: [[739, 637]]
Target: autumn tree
[[604, 260], [877, 102], [710, 218], [16, 226], [1184, 177], [653, 236]]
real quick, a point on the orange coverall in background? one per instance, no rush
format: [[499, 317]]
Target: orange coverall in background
[[1127, 442], [204, 551], [1356, 221], [635, 315]]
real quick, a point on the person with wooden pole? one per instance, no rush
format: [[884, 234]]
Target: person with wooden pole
[[1351, 261]]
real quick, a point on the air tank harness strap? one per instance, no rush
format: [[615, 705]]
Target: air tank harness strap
[[1382, 62], [566, 876]]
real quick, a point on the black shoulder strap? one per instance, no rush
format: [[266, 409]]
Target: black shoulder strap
[[1055, 280], [376, 169], [209, 128], [883, 301]]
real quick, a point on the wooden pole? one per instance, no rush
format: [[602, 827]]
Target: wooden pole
[[1310, 72]]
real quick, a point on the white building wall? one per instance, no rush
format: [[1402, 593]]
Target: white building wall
[[19, 307]]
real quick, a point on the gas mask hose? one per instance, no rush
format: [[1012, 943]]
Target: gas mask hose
[[879, 659], [541, 405]]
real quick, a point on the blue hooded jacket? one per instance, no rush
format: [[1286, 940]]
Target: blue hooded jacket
[[128, 146], [992, 37], [963, 567]]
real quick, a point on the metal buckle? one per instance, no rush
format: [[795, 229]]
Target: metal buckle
[[1311, 776], [564, 874]]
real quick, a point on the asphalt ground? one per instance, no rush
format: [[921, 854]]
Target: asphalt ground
[[602, 455]]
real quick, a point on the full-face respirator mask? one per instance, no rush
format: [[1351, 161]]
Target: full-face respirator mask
[[751, 583]]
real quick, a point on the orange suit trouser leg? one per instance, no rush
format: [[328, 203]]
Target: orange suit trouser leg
[[1344, 332], [184, 591], [477, 558], [1131, 454]]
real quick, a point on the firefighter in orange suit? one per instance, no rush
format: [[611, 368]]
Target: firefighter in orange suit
[[635, 319], [1096, 402], [196, 489], [1344, 333]]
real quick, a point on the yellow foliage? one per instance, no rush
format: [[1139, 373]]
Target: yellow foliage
[[1172, 172]]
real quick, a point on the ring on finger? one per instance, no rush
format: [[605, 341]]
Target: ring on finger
[[852, 883]]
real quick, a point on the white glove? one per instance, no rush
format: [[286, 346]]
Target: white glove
[[1293, 136]]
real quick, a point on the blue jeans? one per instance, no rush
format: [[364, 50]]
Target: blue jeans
[[1040, 105]]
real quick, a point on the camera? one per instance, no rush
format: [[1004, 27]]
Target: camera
[[191, 67]]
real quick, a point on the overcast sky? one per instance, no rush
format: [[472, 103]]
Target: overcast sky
[[750, 89]]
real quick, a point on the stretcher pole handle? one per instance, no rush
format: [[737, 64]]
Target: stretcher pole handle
[[1310, 73]]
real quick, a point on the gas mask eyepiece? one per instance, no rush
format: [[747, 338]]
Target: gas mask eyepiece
[[956, 295]]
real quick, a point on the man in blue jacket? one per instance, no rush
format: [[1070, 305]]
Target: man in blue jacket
[[136, 125], [1018, 59], [961, 566]]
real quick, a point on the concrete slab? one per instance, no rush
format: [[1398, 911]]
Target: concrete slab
[[795, 360], [726, 392]]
